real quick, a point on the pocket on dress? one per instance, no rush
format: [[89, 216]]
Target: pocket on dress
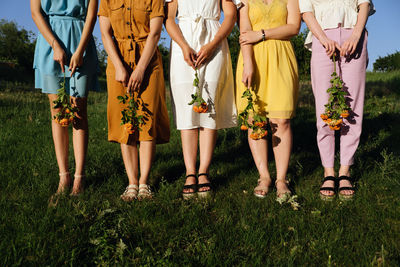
[[117, 18], [143, 5], [141, 12]]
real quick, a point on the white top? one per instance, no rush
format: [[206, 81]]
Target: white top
[[329, 13], [199, 23]]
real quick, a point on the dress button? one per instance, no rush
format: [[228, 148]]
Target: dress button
[[128, 8], [129, 37], [127, 23]]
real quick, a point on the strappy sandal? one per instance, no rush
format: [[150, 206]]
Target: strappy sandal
[[80, 191], [285, 195], [345, 197], [204, 193], [144, 192], [264, 189], [130, 193], [328, 188], [191, 187]]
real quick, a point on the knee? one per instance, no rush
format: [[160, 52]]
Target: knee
[[280, 124]]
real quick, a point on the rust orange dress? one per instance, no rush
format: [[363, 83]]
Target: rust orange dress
[[130, 22]]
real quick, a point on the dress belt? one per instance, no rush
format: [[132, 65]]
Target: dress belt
[[58, 17], [132, 46], [199, 28]]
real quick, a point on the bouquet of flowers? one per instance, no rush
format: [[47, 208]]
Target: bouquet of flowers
[[336, 109], [199, 105], [67, 113], [257, 123], [130, 118]]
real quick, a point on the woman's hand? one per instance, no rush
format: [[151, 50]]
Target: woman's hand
[[350, 45], [330, 46], [205, 53], [247, 75], [135, 80], [121, 75], [190, 56], [250, 37], [76, 61], [59, 55]]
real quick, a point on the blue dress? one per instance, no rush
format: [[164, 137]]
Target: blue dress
[[66, 19]]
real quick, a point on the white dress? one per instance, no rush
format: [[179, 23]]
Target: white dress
[[199, 22]]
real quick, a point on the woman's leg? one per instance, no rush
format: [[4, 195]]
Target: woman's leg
[[208, 138], [282, 146], [353, 71], [80, 141], [130, 157], [61, 143], [189, 149], [321, 71], [259, 150], [146, 154]]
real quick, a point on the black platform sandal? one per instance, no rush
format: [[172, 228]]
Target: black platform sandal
[[343, 188], [193, 187], [328, 188], [204, 193]]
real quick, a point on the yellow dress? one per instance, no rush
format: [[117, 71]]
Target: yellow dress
[[275, 80]]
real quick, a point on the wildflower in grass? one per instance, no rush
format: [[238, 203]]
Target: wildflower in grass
[[250, 119], [199, 104], [336, 108]]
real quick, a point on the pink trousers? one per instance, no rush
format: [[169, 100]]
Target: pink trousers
[[352, 70]]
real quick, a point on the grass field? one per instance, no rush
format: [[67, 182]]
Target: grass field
[[232, 228]]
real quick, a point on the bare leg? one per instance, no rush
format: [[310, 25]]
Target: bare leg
[[259, 150], [208, 138], [61, 143], [189, 148], [282, 146], [146, 154], [130, 157], [80, 141]]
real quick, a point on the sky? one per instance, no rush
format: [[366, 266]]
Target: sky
[[383, 26]]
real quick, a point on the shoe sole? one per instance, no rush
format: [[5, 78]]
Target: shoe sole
[[188, 196], [346, 197], [327, 198], [260, 196], [205, 194]]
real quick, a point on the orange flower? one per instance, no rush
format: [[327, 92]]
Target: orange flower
[[243, 127], [345, 114], [324, 117], [128, 126], [204, 107], [260, 124], [67, 110], [338, 122], [265, 133], [196, 108], [64, 122], [254, 136]]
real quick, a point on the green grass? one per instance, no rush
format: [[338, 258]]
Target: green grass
[[233, 228]]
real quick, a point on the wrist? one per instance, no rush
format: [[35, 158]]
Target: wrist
[[55, 45], [262, 32], [79, 52], [357, 32], [140, 68]]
